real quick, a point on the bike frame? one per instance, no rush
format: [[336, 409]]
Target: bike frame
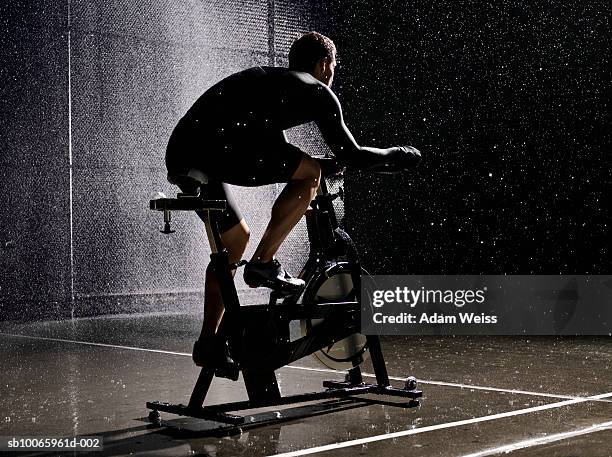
[[243, 325]]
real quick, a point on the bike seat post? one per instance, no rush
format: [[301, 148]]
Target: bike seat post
[[220, 265], [194, 185], [212, 232]]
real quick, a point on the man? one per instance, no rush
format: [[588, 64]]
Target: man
[[234, 133]]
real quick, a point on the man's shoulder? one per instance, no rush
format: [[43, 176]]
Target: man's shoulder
[[278, 75], [297, 77], [285, 76], [311, 87]]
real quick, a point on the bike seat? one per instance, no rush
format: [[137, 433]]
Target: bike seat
[[191, 179]]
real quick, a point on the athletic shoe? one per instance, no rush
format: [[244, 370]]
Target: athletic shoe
[[271, 274], [212, 352]]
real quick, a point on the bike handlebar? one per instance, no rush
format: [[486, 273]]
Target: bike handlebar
[[330, 167]]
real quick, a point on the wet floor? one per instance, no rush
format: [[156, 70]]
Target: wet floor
[[482, 395]]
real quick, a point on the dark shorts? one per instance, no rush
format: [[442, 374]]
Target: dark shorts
[[240, 158]]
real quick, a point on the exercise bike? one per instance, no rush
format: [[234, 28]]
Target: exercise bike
[[328, 309]]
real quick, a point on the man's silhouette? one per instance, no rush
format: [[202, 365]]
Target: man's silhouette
[[234, 133]]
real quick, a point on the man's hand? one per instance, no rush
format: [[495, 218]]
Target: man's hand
[[398, 159], [406, 156]]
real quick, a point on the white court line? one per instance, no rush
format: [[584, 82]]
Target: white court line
[[416, 431], [320, 370], [370, 439], [89, 343], [543, 440]]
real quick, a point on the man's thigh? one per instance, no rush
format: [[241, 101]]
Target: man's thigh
[[216, 190], [258, 162]]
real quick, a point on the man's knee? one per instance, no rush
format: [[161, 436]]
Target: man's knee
[[246, 235], [308, 170]]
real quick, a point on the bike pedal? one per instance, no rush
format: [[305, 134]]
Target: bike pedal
[[283, 293], [280, 291]]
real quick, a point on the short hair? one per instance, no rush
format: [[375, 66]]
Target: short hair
[[307, 50]]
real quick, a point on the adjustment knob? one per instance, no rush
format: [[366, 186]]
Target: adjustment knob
[[167, 230]]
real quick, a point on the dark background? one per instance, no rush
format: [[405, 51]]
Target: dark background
[[507, 101]]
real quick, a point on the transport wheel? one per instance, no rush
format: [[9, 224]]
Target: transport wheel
[[155, 417], [411, 383]]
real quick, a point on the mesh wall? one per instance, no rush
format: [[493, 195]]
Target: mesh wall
[[34, 179], [137, 69], [134, 68]]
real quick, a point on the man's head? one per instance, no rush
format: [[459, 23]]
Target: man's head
[[315, 54]]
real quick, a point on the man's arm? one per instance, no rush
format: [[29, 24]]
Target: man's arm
[[340, 140]]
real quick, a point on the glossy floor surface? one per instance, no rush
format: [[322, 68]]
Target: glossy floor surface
[[482, 396]]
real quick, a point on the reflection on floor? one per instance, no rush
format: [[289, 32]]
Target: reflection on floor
[[480, 393]]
